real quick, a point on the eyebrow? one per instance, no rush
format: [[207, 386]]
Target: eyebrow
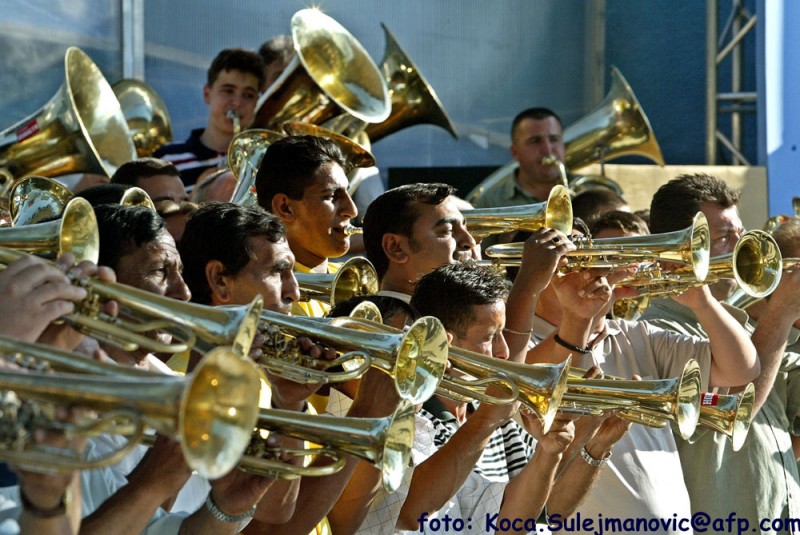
[[450, 221]]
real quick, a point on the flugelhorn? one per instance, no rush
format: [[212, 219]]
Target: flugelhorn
[[652, 402], [245, 152], [330, 73], [36, 199], [729, 414], [742, 298], [145, 113], [539, 387], [690, 246], [555, 213], [194, 326], [415, 357], [211, 412], [355, 278], [385, 442], [74, 232], [81, 129], [755, 264]]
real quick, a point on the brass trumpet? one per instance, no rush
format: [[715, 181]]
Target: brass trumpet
[[555, 213], [539, 387], [730, 415], [75, 232], [211, 412], [690, 246], [355, 278], [741, 298], [755, 264], [415, 358], [652, 403], [384, 442], [199, 326]]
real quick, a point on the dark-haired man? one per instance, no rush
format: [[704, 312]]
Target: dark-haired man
[[235, 79], [411, 230], [159, 178], [276, 53], [535, 134], [301, 180], [764, 471]]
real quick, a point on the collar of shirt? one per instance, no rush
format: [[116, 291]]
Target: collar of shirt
[[511, 190]]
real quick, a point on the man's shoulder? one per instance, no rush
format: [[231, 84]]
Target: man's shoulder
[[192, 145]]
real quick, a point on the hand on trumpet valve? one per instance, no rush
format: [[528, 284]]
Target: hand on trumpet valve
[[542, 255], [557, 439], [377, 396], [584, 294]]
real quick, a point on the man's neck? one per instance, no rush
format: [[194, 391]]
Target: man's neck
[[214, 140], [535, 187], [397, 282], [456, 408]]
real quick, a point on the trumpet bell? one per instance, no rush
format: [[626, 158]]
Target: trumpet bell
[[356, 277], [81, 129], [330, 72], [555, 213], [617, 127], [413, 99], [730, 415], [36, 199], [758, 264], [245, 153], [145, 113], [75, 232]]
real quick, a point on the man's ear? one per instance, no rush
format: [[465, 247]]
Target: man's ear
[[221, 291], [394, 247], [206, 94], [449, 337], [282, 207]]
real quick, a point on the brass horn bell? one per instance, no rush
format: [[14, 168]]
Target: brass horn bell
[[330, 73], [36, 199], [145, 113], [81, 129], [729, 414], [355, 278], [245, 152]]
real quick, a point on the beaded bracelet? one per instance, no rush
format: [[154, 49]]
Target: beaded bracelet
[[562, 343]]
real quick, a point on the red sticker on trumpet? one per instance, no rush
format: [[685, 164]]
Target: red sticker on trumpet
[[709, 399], [27, 130]]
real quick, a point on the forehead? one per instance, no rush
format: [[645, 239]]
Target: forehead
[[161, 181], [328, 176], [266, 253], [236, 78], [537, 127], [488, 317], [429, 215], [721, 219]]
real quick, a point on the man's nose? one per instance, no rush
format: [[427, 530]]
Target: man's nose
[[178, 289]]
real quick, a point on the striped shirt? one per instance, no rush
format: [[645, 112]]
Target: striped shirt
[[191, 157]]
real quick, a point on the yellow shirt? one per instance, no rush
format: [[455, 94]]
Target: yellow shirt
[[313, 308]]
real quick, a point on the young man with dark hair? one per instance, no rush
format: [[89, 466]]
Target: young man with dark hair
[[301, 180], [595, 202], [411, 230], [276, 53], [535, 134], [235, 79], [159, 178], [764, 471]]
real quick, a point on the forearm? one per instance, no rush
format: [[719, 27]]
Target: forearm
[[526, 494], [353, 505], [439, 477], [769, 340], [202, 522], [573, 330], [734, 361], [129, 510], [279, 502], [575, 481], [520, 311]]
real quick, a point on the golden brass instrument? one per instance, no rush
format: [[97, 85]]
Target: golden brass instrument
[[729, 414], [415, 357], [742, 299], [539, 387], [234, 117], [330, 72], [652, 403], [690, 246], [145, 113], [194, 326], [36, 199], [245, 153], [555, 213], [384, 442], [211, 412], [413, 99], [81, 129], [355, 155], [755, 264], [137, 197], [617, 127], [75, 232], [355, 278]]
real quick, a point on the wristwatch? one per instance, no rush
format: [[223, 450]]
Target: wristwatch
[[217, 513], [38, 512], [591, 460]]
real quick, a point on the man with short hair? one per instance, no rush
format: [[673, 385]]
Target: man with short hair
[[159, 178], [411, 230], [276, 53], [535, 134], [764, 471], [235, 80], [301, 180]]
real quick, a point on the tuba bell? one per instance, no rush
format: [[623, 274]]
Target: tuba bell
[[74, 232], [355, 278], [355, 155], [36, 199], [384, 442], [555, 213], [245, 152], [146, 115], [81, 129], [652, 403], [211, 411], [330, 73]]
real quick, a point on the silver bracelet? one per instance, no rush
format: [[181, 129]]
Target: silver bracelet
[[591, 461], [217, 513]]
